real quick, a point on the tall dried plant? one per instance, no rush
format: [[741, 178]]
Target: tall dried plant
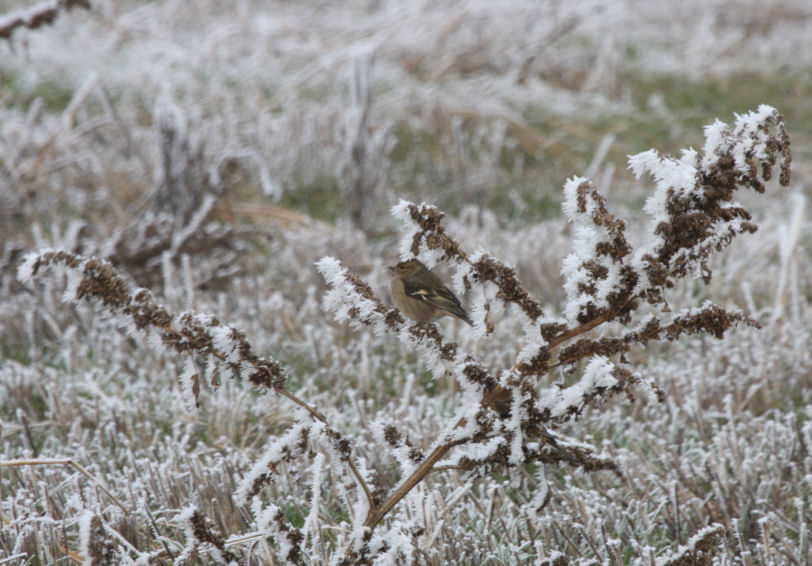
[[505, 417]]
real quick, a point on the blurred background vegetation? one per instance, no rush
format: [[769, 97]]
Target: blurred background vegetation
[[214, 151]]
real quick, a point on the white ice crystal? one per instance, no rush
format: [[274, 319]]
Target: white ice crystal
[[482, 297], [74, 278], [715, 141], [597, 374], [678, 556], [342, 297], [517, 416], [184, 519], [272, 453], [587, 234], [401, 212], [264, 517], [84, 521], [223, 342], [669, 174], [532, 338], [187, 383], [430, 257], [464, 271], [311, 522], [25, 271]]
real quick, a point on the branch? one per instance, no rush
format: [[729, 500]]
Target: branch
[[36, 16], [96, 281]]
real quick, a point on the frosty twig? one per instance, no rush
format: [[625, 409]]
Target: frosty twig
[[36, 16]]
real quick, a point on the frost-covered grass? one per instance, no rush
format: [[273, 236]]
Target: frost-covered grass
[[214, 153]]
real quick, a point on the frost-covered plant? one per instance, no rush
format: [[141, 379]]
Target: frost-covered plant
[[501, 420], [37, 15], [178, 217]]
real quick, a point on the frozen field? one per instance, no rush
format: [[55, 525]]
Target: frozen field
[[229, 385]]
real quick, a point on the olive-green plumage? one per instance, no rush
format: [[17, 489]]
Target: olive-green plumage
[[422, 296]]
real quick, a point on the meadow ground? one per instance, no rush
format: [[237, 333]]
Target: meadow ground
[[215, 152]]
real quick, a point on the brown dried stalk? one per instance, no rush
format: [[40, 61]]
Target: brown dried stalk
[[183, 333], [39, 15]]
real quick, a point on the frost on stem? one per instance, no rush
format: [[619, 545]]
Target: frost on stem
[[288, 539], [699, 550], [596, 276], [692, 208], [95, 543], [488, 400], [283, 449], [200, 537], [96, 281], [37, 15], [692, 212]]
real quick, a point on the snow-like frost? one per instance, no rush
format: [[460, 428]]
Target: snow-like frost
[[330, 268], [597, 374], [641, 163], [678, 175], [399, 547], [264, 517], [689, 157], [74, 278], [187, 383], [533, 340], [430, 257], [272, 453], [464, 271], [84, 522], [25, 271], [184, 519], [342, 297], [569, 205], [400, 211], [689, 547], [517, 416], [479, 310], [311, 522], [715, 135], [224, 343], [480, 451]]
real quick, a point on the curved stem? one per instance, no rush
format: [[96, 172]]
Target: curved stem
[[425, 467], [320, 417], [581, 328]]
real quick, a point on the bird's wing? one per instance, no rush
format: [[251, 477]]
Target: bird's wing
[[437, 293]]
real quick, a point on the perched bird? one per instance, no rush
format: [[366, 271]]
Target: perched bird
[[421, 295]]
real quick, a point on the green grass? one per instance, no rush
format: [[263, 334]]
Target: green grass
[[665, 112], [320, 199], [54, 93]]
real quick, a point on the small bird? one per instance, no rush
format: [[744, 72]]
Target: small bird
[[422, 296]]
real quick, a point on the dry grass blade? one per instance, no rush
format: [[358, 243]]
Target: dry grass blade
[[69, 462]]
